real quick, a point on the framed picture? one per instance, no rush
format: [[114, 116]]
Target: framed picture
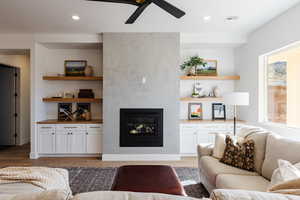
[[210, 69], [75, 67], [195, 111], [218, 111], [65, 112], [83, 111]]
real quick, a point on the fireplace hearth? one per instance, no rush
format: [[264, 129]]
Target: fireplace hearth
[[141, 127]]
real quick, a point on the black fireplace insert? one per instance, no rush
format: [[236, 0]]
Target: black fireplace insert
[[141, 127]]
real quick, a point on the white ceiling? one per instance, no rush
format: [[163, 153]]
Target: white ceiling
[[54, 16]]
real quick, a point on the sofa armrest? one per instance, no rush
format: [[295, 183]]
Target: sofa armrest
[[205, 150], [223, 194]]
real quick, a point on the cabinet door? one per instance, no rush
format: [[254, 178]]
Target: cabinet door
[[46, 142], [61, 142], [94, 143], [77, 142], [188, 142]]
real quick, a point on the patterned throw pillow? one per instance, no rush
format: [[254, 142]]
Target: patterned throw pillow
[[239, 155]]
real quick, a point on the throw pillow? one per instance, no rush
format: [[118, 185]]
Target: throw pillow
[[285, 172], [239, 155], [219, 146]]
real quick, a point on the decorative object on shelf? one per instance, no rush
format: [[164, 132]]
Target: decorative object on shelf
[[86, 93], [83, 112], [199, 90], [192, 64], [195, 111], [216, 92], [65, 112], [75, 67], [69, 95], [89, 71], [209, 69], [218, 111], [236, 99]]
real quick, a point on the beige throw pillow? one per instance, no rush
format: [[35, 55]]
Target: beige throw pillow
[[219, 146], [286, 172]]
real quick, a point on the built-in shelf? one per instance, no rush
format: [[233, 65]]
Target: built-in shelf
[[204, 99], [55, 121], [73, 78], [209, 121], [210, 78], [72, 100]]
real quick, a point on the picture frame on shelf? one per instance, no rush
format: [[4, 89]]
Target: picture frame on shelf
[[209, 69], [75, 67], [83, 112], [65, 112], [195, 111], [218, 111]]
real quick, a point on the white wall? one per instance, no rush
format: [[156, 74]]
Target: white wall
[[22, 62], [225, 57], [278, 33]]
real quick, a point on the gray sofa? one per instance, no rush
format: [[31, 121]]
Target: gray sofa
[[268, 149]]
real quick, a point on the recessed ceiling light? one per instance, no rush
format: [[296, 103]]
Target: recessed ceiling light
[[207, 18], [232, 18], [75, 17]]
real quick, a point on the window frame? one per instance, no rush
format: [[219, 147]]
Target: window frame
[[263, 88]]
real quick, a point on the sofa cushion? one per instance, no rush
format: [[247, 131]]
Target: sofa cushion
[[249, 195], [279, 148], [45, 195], [242, 182], [18, 188], [109, 195], [260, 139], [211, 167]]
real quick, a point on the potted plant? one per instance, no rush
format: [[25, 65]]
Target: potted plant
[[190, 66]]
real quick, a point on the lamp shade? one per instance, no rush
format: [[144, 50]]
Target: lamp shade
[[237, 98]]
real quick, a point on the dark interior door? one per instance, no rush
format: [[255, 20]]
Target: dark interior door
[[7, 105]]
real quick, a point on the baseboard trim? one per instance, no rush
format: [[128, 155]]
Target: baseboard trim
[[141, 157], [70, 155]]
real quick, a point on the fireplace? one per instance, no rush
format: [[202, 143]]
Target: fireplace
[[141, 127]]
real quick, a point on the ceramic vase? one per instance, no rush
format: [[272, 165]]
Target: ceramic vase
[[89, 71]]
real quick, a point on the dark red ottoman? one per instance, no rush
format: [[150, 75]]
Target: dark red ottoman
[[148, 178]]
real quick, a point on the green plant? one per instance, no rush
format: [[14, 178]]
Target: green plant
[[193, 62]]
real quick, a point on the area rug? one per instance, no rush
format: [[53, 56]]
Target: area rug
[[100, 179]]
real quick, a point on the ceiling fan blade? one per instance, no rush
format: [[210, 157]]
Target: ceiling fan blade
[[138, 12], [176, 12]]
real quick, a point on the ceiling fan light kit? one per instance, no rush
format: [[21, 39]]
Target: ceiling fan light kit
[[143, 4]]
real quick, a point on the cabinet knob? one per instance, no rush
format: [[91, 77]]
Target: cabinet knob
[[86, 133], [53, 133]]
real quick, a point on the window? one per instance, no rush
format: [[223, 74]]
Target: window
[[282, 87]]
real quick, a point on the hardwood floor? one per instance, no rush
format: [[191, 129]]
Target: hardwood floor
[[19, 156]]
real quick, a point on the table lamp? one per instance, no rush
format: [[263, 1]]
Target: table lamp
[[236, 99]]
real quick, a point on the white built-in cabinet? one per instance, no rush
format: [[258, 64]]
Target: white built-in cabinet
[[70, 139], [193, 134]]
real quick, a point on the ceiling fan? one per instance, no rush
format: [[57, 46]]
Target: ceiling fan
[[143, 4]]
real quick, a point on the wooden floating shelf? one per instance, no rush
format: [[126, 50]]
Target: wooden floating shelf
[[55, 121], [204, 99], [72, 100], [209, 121], [210, 78], [73, 78]]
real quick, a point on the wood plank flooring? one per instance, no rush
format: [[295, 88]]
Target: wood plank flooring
[[19, 156]]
